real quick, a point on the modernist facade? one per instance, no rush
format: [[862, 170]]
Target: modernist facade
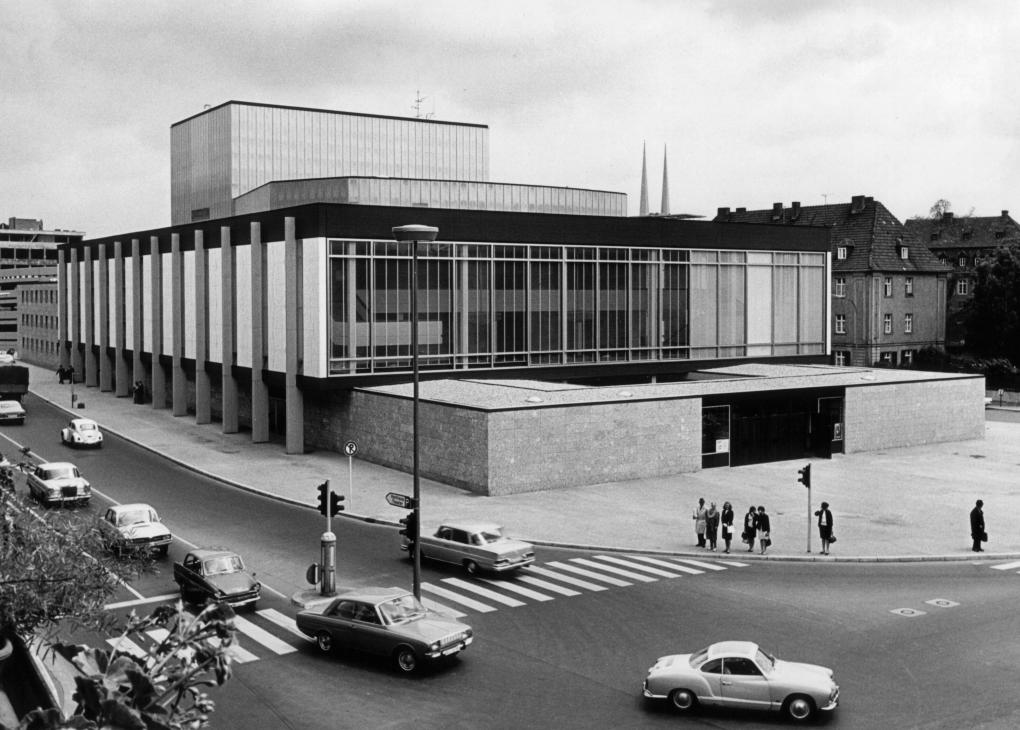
[[888, 296], [961, 243]]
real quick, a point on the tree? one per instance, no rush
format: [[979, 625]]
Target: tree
[[940, 207], [993, 317]]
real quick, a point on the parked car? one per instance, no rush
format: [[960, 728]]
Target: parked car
[[11, 412], [82, 432], [58, 482], [742, 674], [216, 575], [134, 527], [476, 546], [388, 622]]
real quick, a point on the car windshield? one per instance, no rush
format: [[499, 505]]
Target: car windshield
[[401, 609], [59, 472], [87, 427], [136, 516], [223, 564], [698, 657], [766, 661], [485, 537], [9, 405]]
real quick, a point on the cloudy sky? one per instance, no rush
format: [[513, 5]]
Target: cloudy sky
[[758, 101]]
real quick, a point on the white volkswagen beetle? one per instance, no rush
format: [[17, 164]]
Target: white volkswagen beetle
[[82, 432], [742, 674]]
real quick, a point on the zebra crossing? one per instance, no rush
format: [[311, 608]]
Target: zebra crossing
[[268, 632], [1014, 566]]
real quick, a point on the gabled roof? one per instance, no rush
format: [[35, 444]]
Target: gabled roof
[[967, 232], [873, 235]]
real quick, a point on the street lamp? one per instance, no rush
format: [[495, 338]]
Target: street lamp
[[415, 234]]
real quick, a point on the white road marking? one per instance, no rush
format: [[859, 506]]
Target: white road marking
[[519, 590], [283, 621], [457, 598], [151, 599], [484, 592], [570, 580], [544, 584], [126, 646], [611, 569], [440, 608], [590, 574], [259, 634], [1007, 566], [700, 564], [636, 566]]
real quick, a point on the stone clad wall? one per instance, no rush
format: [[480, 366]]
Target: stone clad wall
[[910, 414], [550, 448]]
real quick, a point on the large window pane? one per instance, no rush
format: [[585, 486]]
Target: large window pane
[[674, 305], [704, 306], [581, 308], [731, 305], [545, 306], [613, 310], [784, 324]]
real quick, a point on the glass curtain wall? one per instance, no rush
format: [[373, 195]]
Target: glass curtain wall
[[488, 305]]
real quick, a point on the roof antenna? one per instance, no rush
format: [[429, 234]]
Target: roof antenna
[[825, 197], [418, 99]]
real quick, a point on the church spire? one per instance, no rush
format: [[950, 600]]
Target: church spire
[[664, 210], [643, 210]]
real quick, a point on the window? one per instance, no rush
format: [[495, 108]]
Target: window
[[963, 287], [943, 260], [907, 357], [962, 260], [934, 236], [842, 358], [888, 358], [904, 253], [841, 253], [741, 666], [887, 323], [908, 286], [887, 287], [839, 286], [1000, 234], [840, 324], [908, 323]]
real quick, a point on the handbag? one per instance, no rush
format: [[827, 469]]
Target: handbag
[[984, 537], [832, 538]]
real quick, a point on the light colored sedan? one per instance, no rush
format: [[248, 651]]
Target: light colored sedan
[[134, 527], [58, 482], [742, 674], [476, 546], [82, 432], [11, 412]]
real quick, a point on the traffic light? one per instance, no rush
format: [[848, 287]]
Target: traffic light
[[335, 503], [805, 476], [323, 498], [409, 527]]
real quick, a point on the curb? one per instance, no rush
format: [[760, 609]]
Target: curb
[[807, 558]]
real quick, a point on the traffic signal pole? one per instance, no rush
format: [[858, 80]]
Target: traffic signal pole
[[805, 479]]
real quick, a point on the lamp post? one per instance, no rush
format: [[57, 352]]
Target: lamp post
[[415, 234]]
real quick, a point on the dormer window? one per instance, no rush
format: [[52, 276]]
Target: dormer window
[[943, 260], [966, 235], [962, 261], [904, 253], [934, 236], [1000, 234], [841, 253]]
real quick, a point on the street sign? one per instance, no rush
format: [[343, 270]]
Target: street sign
[[350, 448], [400, 500]]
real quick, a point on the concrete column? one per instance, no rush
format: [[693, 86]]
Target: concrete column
[[62, 323], [105, 364], [158, 386], [203, 397], [122, 377], [259, 390], [138, 310], [89, 310], [75, 332], [295, 417], [229, 382], [179, 391]]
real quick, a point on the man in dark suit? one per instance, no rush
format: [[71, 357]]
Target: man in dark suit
[[977, 526]]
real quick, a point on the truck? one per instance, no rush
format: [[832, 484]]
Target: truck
[[13, 381]]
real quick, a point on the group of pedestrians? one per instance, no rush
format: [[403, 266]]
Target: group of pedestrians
[[710, 521]]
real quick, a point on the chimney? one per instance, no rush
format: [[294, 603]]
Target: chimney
[[856, 204], [722, 213], [777, 211], [794, 210], [741, 210], [1005, 214], [947, 216]]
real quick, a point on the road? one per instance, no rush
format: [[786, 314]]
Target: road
[[576, 656]]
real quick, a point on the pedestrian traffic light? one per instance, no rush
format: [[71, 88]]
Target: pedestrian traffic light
[[409, 528], [335, 503], [323, 498], [805, 476]]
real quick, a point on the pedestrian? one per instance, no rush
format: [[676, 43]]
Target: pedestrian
[[764, 530], [977, 526], [824, 526], [700, 515], [750, 527], [727, 524], [61, 375], [712, 526]]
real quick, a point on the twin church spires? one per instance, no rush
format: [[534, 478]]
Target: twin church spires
[[664, 209]]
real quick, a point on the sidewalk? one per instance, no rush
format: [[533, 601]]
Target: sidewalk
[[904, 504]]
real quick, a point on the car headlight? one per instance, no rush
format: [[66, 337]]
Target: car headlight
[[434, 646]]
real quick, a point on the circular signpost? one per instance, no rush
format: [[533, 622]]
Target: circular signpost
[[350, 448]]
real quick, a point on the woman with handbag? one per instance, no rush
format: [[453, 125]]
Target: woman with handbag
[[727, 524], [764, 530], [825, 527], [750, 527]]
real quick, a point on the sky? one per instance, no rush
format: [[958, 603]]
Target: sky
[[757, 101]]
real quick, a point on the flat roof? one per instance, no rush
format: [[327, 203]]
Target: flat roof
[[325, 111], [504, 395]]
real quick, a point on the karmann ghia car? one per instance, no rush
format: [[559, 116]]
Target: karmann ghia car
[[741, 674], [476, 546], [389, 622]]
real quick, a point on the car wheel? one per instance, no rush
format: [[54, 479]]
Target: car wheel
[[324, 640], [799, 708], [405, 659], [471, 567], [683, 699]]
